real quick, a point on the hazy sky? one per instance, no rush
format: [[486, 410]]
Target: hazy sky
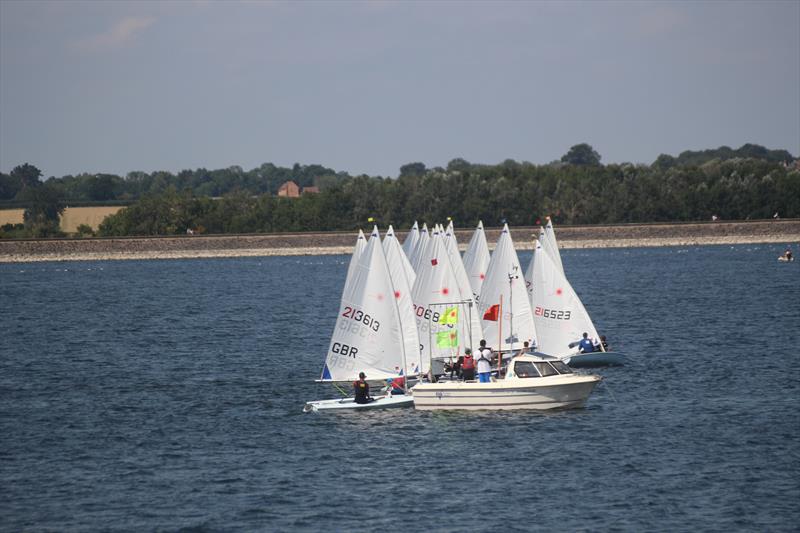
[[365, 87]]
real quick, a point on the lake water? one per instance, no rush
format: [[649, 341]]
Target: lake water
[[167, 395]]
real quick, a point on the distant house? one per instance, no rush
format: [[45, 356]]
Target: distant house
[[289, 190], [310, 190]]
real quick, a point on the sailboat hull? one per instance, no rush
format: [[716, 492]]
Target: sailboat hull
[[349, 404], [595, 359], [539, 394]]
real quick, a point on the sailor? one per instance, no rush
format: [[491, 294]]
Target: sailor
[[586, 345], [526, 348], [788, 254], [604, 343], [395, 386], [361, 389], [468, 366], [484, 363]]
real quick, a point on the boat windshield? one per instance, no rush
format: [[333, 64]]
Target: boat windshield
[[525, 369], [545, 369], [561, 367]]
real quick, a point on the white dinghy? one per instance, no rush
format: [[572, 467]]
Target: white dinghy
[[419, 247], [550, 244], [445, 311], [411, 240], [531, 382], [368, 336], [476, 260], [505, 309], [403, 277], [560, 317]]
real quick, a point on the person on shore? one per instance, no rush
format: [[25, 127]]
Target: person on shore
[[361, 389], [467, 366], [586, 345], [484, 363]]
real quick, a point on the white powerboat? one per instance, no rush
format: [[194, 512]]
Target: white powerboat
[[531, 382]]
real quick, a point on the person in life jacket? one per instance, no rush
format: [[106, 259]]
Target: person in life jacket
[[468, 366], [361, 389], [395, 386], [586, 345], [604, 343]]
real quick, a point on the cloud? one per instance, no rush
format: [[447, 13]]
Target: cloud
[[122, 33]]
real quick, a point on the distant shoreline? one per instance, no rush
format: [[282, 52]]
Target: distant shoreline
[[286, 244]]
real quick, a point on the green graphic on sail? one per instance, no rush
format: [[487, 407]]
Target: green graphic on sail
[[447, 339]]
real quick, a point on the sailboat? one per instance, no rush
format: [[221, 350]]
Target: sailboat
[[411, 240], [476, 260], [369, 335], [551, 244], [445, 311], [462, 279], [403, 277], [559, 315], [419, 247], [504, 305]]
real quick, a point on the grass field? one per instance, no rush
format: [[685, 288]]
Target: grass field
[[70, 219]]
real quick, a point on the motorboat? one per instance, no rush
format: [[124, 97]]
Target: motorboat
[[530, 382]]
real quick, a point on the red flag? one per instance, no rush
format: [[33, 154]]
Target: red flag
[[434, 262], [492, 313]]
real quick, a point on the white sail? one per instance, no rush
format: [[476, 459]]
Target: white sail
[[476, 260], [419, 248], [411, 240], [552, 245], [367, 337], [361, 243], [504, 277], [403, 277], [389, 241], [537, 250], [559, 315], [464, 287], [434, 289]]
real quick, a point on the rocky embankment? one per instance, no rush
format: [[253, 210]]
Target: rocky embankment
[[612, 236]]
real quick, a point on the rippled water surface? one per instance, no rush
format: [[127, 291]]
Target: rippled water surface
[[161, 395]]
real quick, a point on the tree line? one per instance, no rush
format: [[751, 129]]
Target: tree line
[[749, 182]]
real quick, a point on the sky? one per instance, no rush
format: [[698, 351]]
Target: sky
[[366, 87]]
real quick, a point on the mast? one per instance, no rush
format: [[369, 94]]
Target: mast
[[500, 336]]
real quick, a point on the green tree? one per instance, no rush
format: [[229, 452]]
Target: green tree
[[412, 169], [45, 205], [9, 187], [27, 175], [85, 230], [581, 155]]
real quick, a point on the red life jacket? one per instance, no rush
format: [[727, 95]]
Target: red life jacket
[[469, 362], [398, 383]]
